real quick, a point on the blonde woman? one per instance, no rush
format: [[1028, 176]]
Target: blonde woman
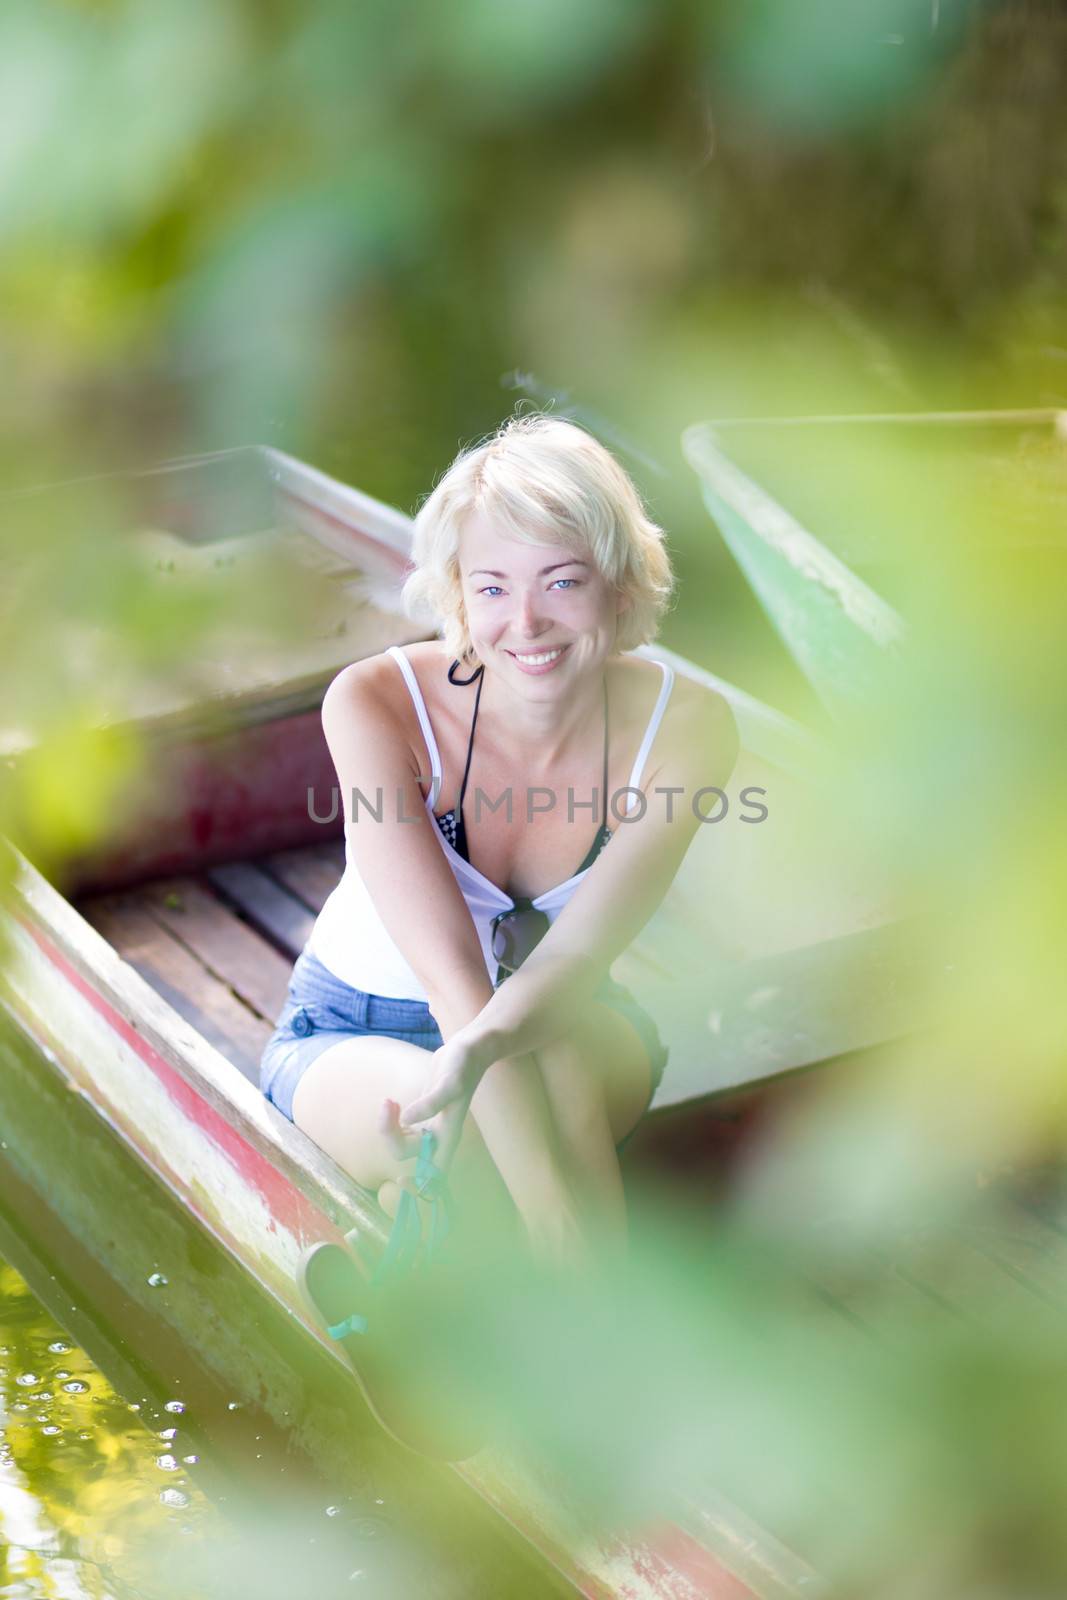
[[510, 827]]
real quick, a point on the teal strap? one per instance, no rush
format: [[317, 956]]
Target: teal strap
[[403, 1240], [432, 1185], [406, 1235], [353, 1324]]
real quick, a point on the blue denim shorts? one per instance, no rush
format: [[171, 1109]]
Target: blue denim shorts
[[320, 1011]]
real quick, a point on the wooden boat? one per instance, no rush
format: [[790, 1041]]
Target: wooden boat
[[149, 984]]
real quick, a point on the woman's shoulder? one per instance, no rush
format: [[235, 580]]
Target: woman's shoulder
[[688, 697], [695, 716], [370, 699], [379, 677], [367, 709]]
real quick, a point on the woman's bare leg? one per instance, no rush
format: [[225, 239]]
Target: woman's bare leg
[[338, 1103], [543, 1128], [508, 1144], [597, 1082]]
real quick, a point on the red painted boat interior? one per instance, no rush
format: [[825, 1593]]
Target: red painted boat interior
[[242, 794]]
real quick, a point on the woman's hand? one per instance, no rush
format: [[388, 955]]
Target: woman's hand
[[454, 1077]]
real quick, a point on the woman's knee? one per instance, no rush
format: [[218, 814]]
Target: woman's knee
[[599, 1071], [575, 1086], [574, 1064]]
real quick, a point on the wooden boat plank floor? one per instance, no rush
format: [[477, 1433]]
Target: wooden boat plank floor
[[1035, 1243], [180, 978], [311, 872], [270, 907], [971, 1284], [1000, 1274], [226, 946], [219, 947]]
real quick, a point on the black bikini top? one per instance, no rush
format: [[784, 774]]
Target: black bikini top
[[451, 822]]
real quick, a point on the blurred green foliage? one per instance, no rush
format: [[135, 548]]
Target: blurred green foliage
[[334, 228]]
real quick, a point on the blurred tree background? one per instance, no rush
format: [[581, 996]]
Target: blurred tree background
[[335, 228], [359, 233]]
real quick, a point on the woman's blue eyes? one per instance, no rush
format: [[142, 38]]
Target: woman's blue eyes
[[552, 585]]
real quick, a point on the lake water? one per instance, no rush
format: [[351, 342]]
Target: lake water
[[101, 1495], [94, 1488]]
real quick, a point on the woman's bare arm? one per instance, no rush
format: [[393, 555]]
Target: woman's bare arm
[[549, 992], [398, 855], [416, 895]]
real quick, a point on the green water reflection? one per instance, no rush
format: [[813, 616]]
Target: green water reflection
[[100, 1494], [93, 1487]]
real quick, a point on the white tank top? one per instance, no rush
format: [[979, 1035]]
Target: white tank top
[[349, 937]]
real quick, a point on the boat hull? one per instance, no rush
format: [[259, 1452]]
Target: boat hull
[[260, 1192]]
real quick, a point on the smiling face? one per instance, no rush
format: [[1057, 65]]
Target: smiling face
[[535, 610]]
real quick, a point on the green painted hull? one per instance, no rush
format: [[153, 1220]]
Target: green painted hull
[[838, 630]]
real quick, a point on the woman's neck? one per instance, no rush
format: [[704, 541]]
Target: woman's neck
[[540, 733]]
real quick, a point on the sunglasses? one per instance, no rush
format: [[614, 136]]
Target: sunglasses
[[514, 934]]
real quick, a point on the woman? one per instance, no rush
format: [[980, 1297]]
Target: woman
[[475, 771]]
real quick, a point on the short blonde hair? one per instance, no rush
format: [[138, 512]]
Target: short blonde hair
[[542, 481]]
